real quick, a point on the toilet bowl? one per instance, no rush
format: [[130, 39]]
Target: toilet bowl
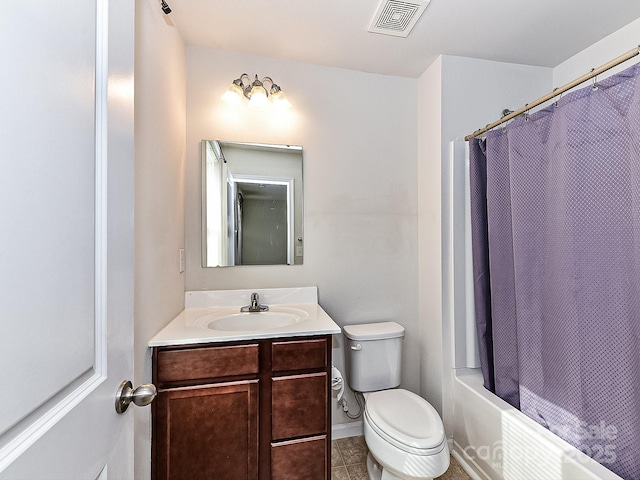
[[403, 432], [405, 437]]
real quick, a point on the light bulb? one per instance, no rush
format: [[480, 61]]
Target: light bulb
[[233, 95], [258, 97], [279, 100]]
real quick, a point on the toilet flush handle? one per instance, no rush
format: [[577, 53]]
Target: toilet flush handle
[[356, 347]]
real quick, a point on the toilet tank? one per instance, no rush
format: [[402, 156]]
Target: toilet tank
[[374, 352]]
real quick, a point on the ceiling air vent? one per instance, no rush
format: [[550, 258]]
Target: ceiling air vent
[[396, 17]]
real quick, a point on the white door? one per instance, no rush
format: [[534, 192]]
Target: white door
[[66, 238]]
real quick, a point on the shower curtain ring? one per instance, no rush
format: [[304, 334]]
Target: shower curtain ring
[[559, 98], [595, 80]]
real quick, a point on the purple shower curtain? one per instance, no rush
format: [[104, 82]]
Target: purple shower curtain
[[556, 246]]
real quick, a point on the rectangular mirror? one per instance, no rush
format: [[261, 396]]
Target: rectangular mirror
[[252, 212]]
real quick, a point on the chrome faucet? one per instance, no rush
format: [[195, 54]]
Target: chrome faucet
[[254, 306]]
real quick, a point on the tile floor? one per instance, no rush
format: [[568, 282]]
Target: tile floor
[[349, 456]]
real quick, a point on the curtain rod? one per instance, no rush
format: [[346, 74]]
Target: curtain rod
[[557, 91]]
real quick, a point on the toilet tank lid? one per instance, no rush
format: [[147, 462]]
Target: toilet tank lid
[[373, 331]]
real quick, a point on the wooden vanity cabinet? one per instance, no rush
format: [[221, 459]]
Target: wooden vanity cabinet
[[243, 410]]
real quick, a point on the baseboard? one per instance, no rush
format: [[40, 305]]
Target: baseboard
[[344, 430]]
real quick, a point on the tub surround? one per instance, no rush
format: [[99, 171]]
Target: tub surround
[[191, 325]]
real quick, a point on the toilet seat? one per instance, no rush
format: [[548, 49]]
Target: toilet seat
[[406, 421]]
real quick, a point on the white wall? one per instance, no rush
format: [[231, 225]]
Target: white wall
[[456, 96], [430, 109], [359, 135], [600, 53], [160, 111]]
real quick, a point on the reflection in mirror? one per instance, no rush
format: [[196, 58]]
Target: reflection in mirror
[[252, 211]]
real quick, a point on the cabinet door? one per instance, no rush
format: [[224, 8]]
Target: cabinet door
[[209, 431]]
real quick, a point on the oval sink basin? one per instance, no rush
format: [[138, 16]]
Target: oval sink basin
[[256, 321]]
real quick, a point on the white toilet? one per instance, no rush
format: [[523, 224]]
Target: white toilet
[[403, 432]]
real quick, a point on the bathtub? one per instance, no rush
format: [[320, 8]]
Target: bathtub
[[496, 441]]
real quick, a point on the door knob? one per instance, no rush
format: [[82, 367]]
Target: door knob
[[141, 396]]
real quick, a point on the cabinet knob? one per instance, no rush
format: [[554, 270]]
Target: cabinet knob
[[141, 396]]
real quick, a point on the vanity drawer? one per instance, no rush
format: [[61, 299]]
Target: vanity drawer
[[203, 363], [299, 405], [304, 459], [299, 355]]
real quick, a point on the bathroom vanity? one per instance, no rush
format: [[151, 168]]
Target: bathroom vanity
[[243, 404]]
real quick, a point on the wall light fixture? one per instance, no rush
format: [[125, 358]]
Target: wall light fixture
[[165, 8], [256, 92]]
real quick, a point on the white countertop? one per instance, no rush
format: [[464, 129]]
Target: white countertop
[[191, 325]]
